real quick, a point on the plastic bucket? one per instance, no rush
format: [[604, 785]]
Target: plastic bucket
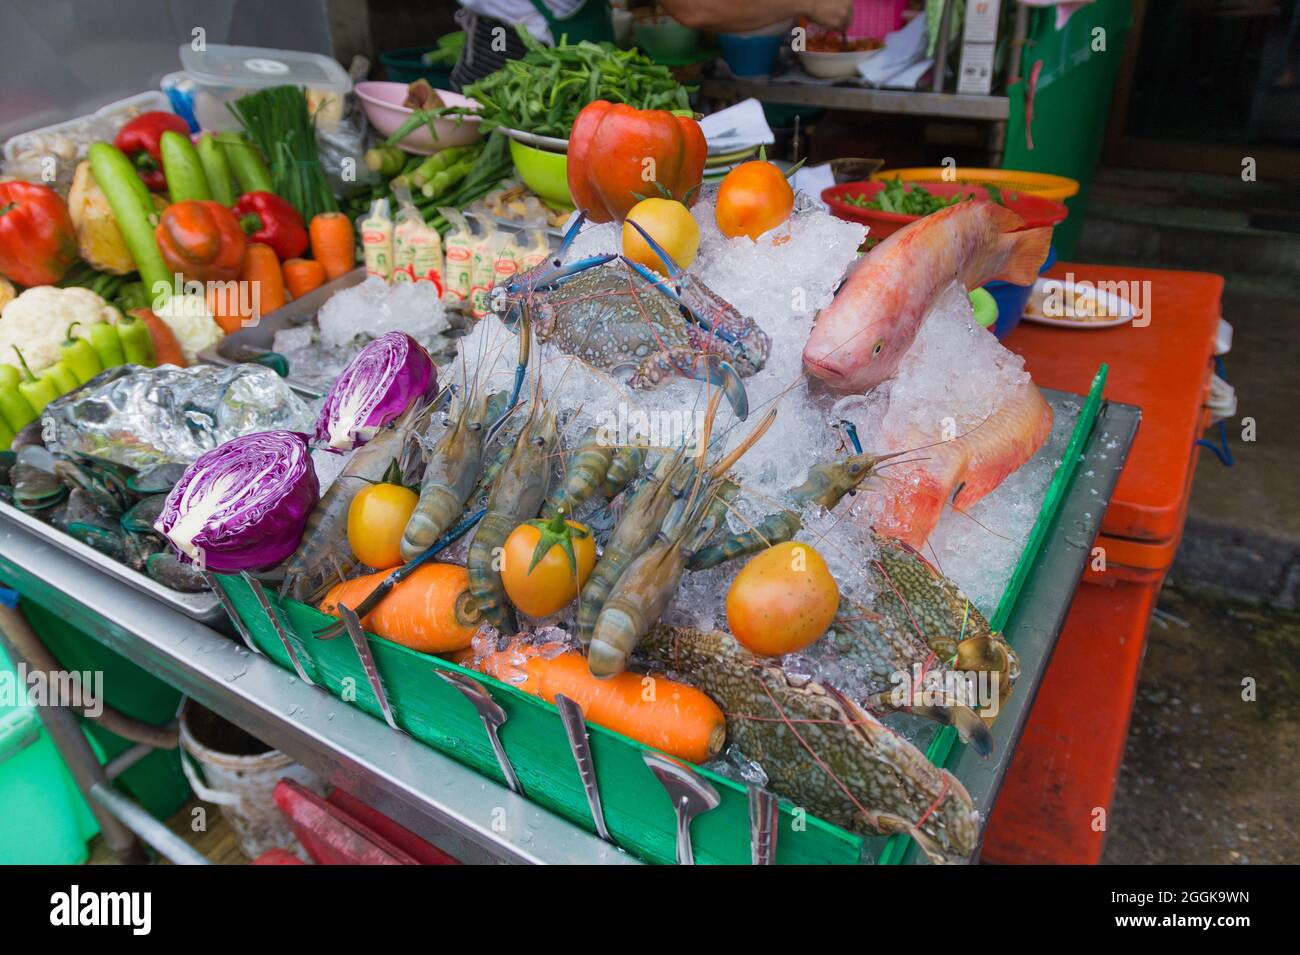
[[1012, 299], [239, 774], [406, 66]]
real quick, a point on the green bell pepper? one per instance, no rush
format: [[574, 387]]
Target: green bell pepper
[[7, 435]]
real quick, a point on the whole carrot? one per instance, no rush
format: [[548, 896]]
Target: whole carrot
[[430, 611], [333, 244], [261, 274], [672, 717], [302, 276]]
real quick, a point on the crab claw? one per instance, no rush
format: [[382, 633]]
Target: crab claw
[[674, 270], [719, 372], [571, 233]]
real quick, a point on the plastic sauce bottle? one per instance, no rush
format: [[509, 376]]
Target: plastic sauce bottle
[[377, 240]]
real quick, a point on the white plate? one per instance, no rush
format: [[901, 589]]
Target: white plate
[[1118, 309]]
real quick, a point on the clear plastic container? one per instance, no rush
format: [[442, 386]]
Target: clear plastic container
[[221, 74]]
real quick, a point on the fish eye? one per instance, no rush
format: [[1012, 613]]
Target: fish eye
[[880, 346]]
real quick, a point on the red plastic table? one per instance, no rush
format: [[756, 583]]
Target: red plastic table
[[1055, 800]]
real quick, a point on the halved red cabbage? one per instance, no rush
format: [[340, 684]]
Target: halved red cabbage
[[243, 505], [385, 378]]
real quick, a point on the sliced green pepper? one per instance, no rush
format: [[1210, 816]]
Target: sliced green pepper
[[108, 346], [137, 343], [80, 356]]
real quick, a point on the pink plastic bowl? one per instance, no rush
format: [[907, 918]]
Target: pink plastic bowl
[[383, 105]]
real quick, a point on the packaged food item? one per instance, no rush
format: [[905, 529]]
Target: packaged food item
[[377, 240], [505, 263], [483, 264], [533, 247], [458, 265], [417, 248]]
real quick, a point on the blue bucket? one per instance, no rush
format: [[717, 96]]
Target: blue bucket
[[750, 55], [1012, 299]]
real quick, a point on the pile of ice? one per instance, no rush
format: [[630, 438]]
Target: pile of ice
[[318, 351], [780, 281]]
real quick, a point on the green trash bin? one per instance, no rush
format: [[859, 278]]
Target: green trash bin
[[156, 782], [43, 819]]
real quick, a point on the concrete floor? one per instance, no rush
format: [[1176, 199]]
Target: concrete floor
[[1209, 777]]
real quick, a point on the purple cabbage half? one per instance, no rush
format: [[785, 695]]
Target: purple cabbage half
[[243, 505], [388, 376]]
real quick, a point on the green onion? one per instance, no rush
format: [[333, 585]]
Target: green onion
[[278, 121]]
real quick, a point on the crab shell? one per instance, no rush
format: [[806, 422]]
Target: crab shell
[[820, 750]]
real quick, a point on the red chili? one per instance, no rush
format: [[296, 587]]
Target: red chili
[[139, 140], [268, 219], [37, 241]]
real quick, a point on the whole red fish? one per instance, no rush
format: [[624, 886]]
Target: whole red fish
[[965, 469], [862, 335]]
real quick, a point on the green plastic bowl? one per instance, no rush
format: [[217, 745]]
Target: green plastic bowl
[[547, 174]]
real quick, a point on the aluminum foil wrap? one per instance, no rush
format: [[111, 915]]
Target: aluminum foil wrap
[[142, 416]]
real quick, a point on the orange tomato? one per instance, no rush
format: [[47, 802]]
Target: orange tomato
[[554, 582], [670, 224], [782, 600], [754, 198], [376, 519]]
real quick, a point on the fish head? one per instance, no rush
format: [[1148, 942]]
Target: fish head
[[857, 359]]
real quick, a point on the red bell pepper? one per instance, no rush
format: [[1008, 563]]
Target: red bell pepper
[[37, 241], [139, 139], [268, 219], [619, 155], [201, 239]]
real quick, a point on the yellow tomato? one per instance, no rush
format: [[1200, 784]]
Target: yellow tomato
[[554, 582], [670, 224], [754, 198], [782, 600], [376, 519]]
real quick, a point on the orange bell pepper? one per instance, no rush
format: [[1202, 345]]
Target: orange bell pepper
[[619, 155], [202, 240]]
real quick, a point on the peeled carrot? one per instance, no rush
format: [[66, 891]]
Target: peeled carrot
[[166, 348], [430, 611], [333, 244], [672, 717], [261, 270], [302, 275]]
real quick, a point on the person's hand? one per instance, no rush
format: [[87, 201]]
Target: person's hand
[[832, 14]]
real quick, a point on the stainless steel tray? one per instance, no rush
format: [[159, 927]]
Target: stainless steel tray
[[262, 335], [204, 606]]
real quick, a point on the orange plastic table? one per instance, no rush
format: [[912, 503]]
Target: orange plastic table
[[1057, 793]]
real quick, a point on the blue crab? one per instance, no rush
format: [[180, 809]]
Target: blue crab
[[617, 315]]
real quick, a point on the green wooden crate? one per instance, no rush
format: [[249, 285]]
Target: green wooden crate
[[637, 811]]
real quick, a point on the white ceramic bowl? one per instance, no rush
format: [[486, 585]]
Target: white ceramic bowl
[[382, 102], [835, 66]]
